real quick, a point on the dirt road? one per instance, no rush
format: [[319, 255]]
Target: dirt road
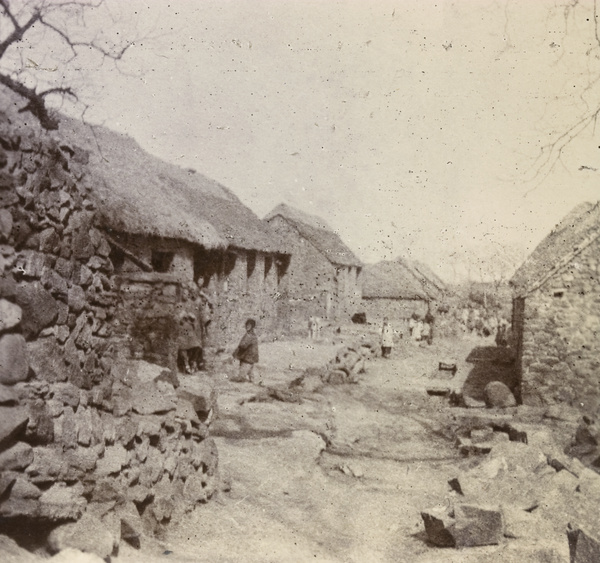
[[340, 476]]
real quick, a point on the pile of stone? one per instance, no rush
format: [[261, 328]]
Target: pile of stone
[[130, 455], [84, 433], [520, 491], [349, 363]]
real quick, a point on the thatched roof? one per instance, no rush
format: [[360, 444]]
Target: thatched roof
[[141, 194], [318, 233], [430, 275], [570, 237], [391, 280], [429, 287]]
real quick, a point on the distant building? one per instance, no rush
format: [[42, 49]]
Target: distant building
[[324, 276], [391, 289], [556, 314]]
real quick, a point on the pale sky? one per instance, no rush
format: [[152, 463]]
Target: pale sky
[[411, 127]]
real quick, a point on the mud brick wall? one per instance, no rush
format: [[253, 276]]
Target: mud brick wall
[[83, 428], [557, 330], [247, 292], [311, 286]]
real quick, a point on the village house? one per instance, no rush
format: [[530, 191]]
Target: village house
[[170, 227], [556, 314], [324, 276], [392, 290]]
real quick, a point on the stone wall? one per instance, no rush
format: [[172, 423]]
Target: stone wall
[[83, 429], [557, 332]]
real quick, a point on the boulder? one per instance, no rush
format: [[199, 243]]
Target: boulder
[[17, 457], [14, 364], [60, 502], [76, 298], [10, 315], [39, 308], [498, 395], [13, 420], [200, 392], [88, 534], [115, 457], [477, 525], [150, 399]]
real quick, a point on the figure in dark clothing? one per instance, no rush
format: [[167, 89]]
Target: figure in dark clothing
[[247, 351], [429, 320]]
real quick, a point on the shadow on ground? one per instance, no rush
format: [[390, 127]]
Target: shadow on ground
[[490, 363]]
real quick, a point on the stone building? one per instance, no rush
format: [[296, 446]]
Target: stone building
[[556, 314], [324, 276], [168, 227], [391, 289]]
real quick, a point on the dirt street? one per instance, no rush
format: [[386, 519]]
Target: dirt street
[[339, 476]]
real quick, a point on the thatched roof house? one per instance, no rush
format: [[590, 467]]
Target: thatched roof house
[[393, 289], [324, 274], [392, 280], [430, 283], [318, 233], [556, 313], [164, 227]]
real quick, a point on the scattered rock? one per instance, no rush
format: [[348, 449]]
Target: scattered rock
[[477, 525]]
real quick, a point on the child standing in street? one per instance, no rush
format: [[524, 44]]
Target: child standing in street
[[387, 338], [247, 351]]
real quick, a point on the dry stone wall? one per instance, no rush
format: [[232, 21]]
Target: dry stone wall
[[558, 327], [84, 430]]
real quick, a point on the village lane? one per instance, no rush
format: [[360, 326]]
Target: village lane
[[339, 475]]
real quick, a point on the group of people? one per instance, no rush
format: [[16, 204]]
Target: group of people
[[420, 330], [193, 318]]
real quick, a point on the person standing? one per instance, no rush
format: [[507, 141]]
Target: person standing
[[429, 321], [387, 338], [247, 351]]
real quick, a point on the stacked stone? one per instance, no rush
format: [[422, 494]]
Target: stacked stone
[[82, 431], [349, 363]]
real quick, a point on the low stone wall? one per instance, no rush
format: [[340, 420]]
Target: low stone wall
[[83, 429]]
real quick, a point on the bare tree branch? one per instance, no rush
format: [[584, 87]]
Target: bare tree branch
[[63, 24]]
